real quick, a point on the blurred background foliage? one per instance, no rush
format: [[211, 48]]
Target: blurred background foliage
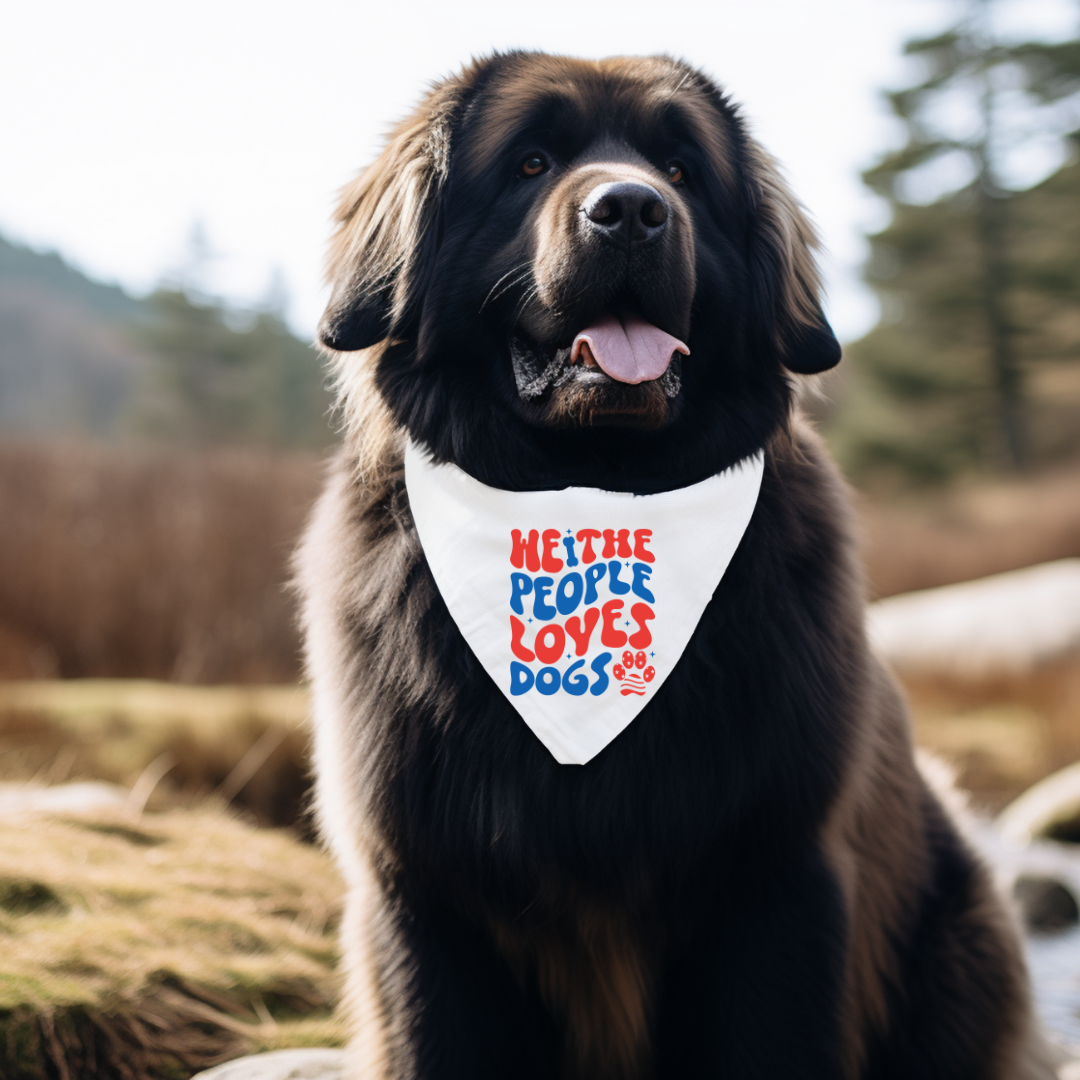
[[975, 363], [83, 359], [221, 377]]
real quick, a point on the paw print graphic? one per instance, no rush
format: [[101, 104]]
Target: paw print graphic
[[633, 673]]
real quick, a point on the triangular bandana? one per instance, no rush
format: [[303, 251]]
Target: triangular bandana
[[578, 602]]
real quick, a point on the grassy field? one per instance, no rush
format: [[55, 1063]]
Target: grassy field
[[148, 946], [245, 745], [918, 540], [150, 940]]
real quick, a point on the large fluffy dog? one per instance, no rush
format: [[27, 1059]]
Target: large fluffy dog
[[752, 880]]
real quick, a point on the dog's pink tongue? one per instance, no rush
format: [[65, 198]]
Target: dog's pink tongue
[[629, 349]]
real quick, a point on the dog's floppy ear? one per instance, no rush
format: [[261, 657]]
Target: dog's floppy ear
[[811, 348], [785, 284], [382, 219]]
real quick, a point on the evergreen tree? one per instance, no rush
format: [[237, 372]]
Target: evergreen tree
[[214, 383], [972, 269]]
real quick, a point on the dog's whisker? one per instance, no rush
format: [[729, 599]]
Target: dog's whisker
[[518, 273], [530, 294], [517, 281], [493, 292]]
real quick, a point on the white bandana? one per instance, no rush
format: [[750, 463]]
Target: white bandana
[[578, 602]]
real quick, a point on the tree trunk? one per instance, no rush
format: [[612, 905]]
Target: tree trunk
[[1008, 390], [993, 211]]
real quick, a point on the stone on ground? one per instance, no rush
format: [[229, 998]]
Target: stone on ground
[[282, 1065]]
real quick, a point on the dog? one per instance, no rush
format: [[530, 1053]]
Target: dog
[[753, 879]]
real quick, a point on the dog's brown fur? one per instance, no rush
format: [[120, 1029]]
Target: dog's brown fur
[[514, 958]]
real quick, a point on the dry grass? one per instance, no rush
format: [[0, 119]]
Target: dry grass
[[247, 745], [167, 565], [146, 948], [970, 531], [149, 564], [1002, 731]]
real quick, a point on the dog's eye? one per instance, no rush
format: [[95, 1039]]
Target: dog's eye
[[676, 173], [534, 165]]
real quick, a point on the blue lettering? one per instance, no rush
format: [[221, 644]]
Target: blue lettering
[[602, 680], [547, 681], [521, 678], [541, 609], [592, 576], [571, 558], [568, 594], [575, 684], [642, 572], [614, 584], [520, 585]]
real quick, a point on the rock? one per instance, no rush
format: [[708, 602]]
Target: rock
[[1005, 623], [62, 799], [1045, 903], [282, 1065], [991, 670]]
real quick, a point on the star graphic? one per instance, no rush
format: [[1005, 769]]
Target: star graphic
[[652, 654], [530, 620]]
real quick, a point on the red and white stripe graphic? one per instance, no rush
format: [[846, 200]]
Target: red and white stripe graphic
[[633, 673]]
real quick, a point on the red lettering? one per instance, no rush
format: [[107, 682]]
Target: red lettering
[[525, 551], [642, 637], [551, 564], [610, 636], [587, 536], [581, 637], [517, 631], [549, 652], [617, 543], [642, 538]]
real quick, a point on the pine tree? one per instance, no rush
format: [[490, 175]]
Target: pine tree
[[228, 377], [971, 265]]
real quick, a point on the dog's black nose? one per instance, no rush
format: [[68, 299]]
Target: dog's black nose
[[626, 211]]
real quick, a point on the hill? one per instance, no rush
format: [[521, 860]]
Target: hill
[[68, 359], [81, 358]]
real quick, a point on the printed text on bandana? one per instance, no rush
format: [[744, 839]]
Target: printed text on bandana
[[579, 599]]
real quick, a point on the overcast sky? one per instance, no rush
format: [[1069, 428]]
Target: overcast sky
[[123, 122]]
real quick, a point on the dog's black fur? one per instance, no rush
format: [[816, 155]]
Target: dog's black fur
[[752, 880]]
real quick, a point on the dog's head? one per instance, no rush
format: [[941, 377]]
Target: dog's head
[[578, 272]]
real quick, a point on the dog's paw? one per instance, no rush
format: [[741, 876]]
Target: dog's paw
[[633, 673]]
